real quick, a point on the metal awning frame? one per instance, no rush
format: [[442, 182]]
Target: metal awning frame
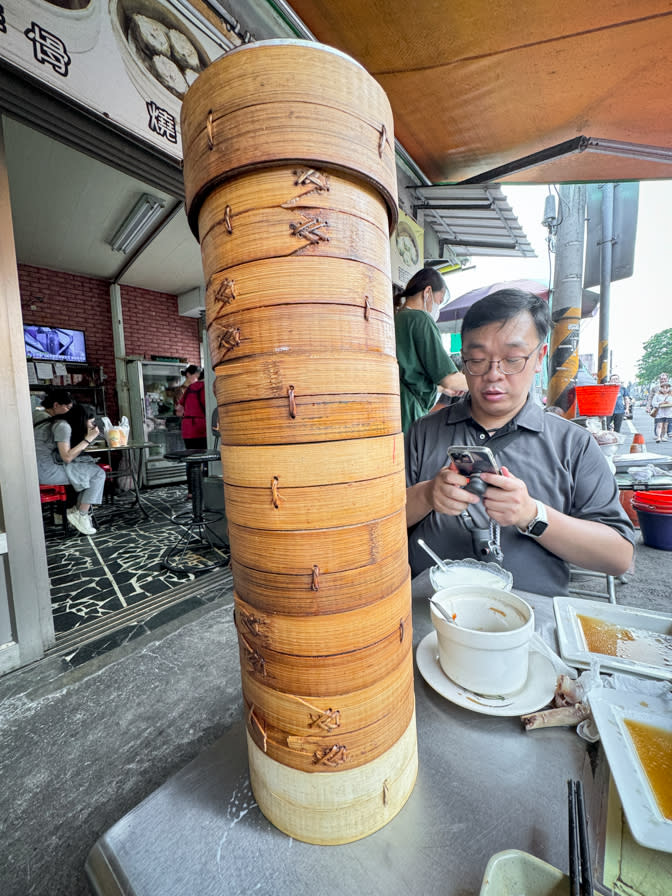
[[472, 220]]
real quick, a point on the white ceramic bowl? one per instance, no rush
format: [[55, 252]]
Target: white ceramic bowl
[[487, 651]]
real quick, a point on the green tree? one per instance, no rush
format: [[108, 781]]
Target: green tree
[[657, 357]]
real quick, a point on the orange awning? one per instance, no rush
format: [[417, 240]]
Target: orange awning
[[477, 84]]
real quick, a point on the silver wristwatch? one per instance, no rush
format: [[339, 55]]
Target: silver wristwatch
[[538, 525]]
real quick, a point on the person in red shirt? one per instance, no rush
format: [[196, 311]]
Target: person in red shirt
[[191, 408]]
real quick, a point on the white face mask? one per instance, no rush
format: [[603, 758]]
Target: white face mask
[[435, 309]]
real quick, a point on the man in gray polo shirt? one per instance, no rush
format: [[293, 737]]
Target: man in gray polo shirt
[[556, 502]]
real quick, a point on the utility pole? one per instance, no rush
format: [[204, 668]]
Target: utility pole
[[606, 252], [563, 362]]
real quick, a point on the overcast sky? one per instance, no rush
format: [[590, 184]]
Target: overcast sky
[[640, 305]]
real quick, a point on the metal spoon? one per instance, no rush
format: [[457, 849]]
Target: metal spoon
[[435, 557], [442, 610]]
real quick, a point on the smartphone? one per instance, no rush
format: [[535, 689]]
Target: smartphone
[[472, 459]]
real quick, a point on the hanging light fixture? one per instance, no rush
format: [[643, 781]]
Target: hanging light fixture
[[138, 223]]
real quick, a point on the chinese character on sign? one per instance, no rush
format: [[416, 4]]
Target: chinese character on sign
[[3, 20], [162, 122], [49, 49]]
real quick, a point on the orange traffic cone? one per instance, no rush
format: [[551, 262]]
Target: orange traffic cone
[[638, 443]]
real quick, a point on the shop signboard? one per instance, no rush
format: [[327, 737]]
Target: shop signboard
[[128, 61], [406, 249]]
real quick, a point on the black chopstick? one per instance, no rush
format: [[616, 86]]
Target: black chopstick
[[580, 869]]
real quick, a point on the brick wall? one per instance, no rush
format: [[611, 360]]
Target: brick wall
[[152, 325]]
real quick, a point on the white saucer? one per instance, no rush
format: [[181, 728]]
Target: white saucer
[[536, 693]]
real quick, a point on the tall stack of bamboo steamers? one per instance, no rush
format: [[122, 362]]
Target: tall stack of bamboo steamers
[[290, 182]]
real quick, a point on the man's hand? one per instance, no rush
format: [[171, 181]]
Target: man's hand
[[507, 500]]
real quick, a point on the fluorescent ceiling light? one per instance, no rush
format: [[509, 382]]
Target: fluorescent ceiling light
[[138, 223]]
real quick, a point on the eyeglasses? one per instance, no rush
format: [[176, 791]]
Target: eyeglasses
[[507, 366]]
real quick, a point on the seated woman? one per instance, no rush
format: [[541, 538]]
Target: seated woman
[[60, 443]]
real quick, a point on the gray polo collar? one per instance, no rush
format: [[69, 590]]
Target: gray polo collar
[[530, 416]]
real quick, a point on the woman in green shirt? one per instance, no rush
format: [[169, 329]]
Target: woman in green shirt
[[425, 367]]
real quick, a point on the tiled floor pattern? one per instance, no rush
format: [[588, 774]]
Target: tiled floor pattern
[[111, 587]]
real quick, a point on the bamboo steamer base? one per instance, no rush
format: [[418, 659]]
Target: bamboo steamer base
[[335, 807]]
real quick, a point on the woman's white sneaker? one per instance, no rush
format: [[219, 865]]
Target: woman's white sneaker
[[81, 521]]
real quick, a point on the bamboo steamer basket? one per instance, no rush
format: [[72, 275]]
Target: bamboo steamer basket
[[327, 634], [284, 101], [344, 712], [326, 674], [314, 591], [294, 552], [325, 752], [290, 184], [230, 232], [365, 373], [297, 280], [337, 807], [314, 507], [319, 463]]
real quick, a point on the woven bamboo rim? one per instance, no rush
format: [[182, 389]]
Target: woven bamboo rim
[[314, 507], [308, 329], [331, 550], [316, 591], [286, 102], [325, 675], [351, 460], [301, 419], [272, 233], [324, 635], [345, 712], [269, 376], [330, 751], [335, 807], [251, 202], [299, 280]]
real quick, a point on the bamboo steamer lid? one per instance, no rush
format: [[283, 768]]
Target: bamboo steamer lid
[[318, 463], [298, 280], [315, 752], [335, 807], [326, 674], [314, 507], [348, 711], [314, 591], [297, 552], [328, 633], [284, 101]]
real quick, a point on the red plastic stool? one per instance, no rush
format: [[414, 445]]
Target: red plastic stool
[[56, 495], [109, 484]]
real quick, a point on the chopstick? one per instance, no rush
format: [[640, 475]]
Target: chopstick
[[580, 870]]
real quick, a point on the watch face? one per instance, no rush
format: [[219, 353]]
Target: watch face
[[538, 528]]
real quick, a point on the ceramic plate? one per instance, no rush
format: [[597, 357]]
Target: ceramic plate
[[574, 648], [470, 572], [537, 692], [610, 709]]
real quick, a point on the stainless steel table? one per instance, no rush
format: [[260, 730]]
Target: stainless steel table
[[484, 785], [135, 452]]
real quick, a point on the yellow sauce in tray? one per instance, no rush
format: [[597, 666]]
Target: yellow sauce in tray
[[654, 751], [636, 645]]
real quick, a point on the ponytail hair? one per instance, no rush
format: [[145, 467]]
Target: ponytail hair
[[418, 283]]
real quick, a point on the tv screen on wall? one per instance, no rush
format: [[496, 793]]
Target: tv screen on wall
[[54, 344]]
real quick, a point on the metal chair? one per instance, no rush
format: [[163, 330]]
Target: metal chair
[[576, 573]]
